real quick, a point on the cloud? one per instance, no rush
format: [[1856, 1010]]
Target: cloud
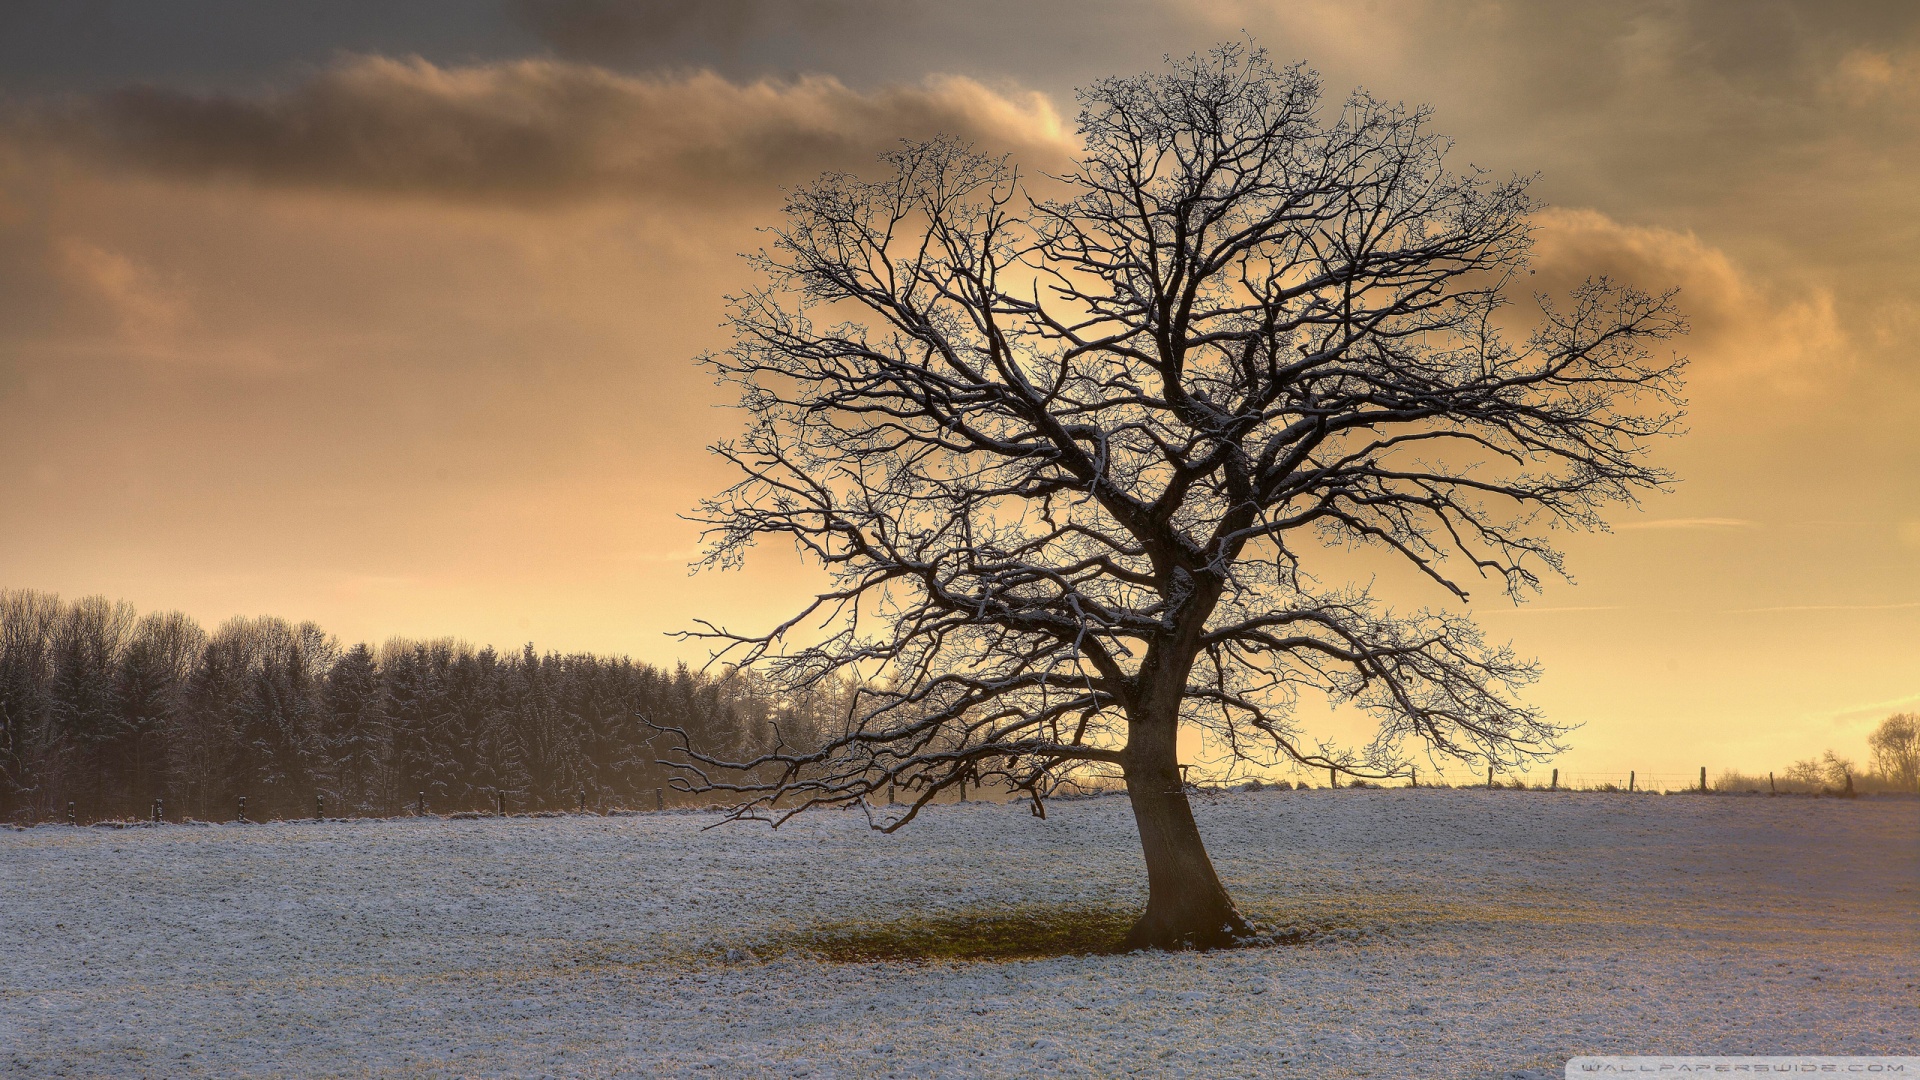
[[1869, 714], [1866, 76], [133, 293], [542, 131], [1785, 336]]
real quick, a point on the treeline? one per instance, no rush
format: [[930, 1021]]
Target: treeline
[[1893, 767], [110, 710]]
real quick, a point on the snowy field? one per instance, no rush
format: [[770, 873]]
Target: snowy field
[[1458, 934]]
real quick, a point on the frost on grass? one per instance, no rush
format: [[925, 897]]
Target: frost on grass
[[1473, 933]]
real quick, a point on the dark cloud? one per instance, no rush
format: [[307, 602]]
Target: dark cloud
[[1055, 45], [537, 131], [612, 31], [77, 45]]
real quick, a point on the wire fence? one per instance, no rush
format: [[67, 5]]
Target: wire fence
[[1540, 779], [1631, 780]]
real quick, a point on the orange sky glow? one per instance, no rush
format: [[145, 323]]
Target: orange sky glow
[[391, 326]]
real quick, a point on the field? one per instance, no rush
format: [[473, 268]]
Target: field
[[1431, 932]]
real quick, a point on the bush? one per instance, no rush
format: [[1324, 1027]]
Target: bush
[[1733, 780]]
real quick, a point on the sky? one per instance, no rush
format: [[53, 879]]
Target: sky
[[384, 314]]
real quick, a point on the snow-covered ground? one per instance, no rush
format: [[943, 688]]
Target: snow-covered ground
[[1482, 934]]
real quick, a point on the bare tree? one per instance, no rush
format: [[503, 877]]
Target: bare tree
[[1896, 750], [1067, 459]]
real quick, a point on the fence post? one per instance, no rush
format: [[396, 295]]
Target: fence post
[[659, 799], [1413, 776], [500, 800], [1771, 790], [583, 800], [1555, 786], [159, 813], [72, 819], [243, 809], [1703, 779], [1629, 780], [420, 808], [1489, 778], [1333, 778]]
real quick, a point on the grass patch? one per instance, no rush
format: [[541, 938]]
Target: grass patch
[[1013, 934], [1028, 933]]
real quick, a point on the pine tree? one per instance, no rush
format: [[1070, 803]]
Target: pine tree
[[85, 714], [26, 629], [114, 713], [353, 734], [149, 685], [202, 750]]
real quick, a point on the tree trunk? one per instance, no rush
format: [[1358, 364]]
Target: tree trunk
[[1187, 907]]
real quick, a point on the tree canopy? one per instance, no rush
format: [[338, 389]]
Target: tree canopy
[[1069, 451]]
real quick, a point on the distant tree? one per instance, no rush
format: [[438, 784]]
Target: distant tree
[[1896, 750], [149, 688], [26, 630], [469, 714], [203, 753], [489, 759], [1830, 770], [281, 715], [87, 724], [113, 712], [417, 702], [548, 746], [354, 733], [594, 708], [1069, 461], [626, 760]]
